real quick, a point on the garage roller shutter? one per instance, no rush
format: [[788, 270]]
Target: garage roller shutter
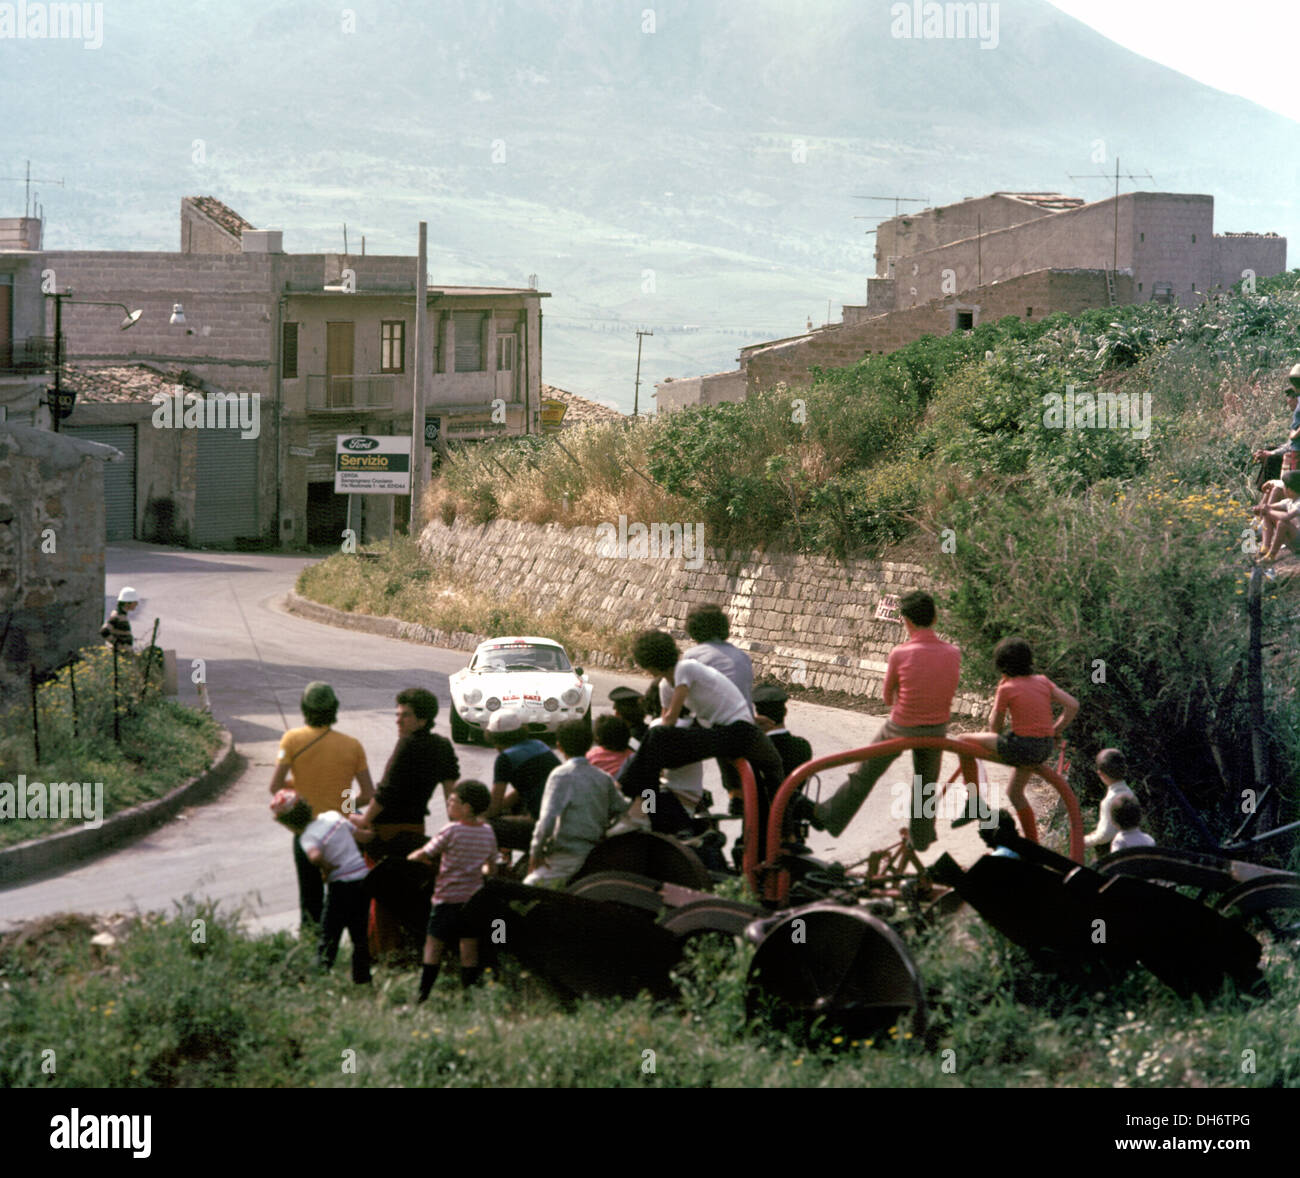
[[320, 467], [119, 477], [225, 507]]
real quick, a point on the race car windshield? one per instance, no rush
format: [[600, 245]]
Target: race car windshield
[[523, 658]]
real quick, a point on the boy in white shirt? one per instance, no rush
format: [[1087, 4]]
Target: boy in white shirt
[[725, 729], [330, 842], [1112, 768], [1128, 814]]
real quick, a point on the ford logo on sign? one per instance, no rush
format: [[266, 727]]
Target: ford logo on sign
[[360, 444]]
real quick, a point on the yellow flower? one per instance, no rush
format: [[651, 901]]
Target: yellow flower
[[799, 1062], [838, 1039]]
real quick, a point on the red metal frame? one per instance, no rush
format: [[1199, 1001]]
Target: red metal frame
[[773, 884]]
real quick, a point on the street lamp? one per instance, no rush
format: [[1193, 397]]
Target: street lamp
[[56, 403]]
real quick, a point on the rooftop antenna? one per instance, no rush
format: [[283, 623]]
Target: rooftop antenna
[[27, 179], [1106, 176]]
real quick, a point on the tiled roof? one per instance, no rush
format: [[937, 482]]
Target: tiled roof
[[124, 384], [222, 215], [580, 411], [1055, 201]]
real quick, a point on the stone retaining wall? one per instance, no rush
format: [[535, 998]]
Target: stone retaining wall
[[804, 620]]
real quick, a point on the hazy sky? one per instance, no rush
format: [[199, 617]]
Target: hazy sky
[[1245, 47]]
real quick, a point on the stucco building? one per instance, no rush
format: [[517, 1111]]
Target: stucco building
[[324, 341], [1027, 254]]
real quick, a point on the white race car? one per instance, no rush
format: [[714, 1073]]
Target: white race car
[[531, 675]]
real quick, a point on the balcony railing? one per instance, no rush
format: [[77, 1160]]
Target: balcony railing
[[28, 357], [338, 393]]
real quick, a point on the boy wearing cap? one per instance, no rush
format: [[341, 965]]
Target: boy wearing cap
[[629, 706], [321, 765], [769, 709], [518, 778], [117, 630], [329, 843], [1290, 449]]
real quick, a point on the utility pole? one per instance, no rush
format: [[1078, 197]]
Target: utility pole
[[1106, 176], [418, 390], [636, 392]]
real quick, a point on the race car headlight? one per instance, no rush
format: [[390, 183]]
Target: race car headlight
[[552, 704], [572, 696], [472, 696], [492, 704]]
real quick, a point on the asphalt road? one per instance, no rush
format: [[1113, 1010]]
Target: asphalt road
[[224, 608]]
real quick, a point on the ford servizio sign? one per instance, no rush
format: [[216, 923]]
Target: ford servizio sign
[[365, 465]]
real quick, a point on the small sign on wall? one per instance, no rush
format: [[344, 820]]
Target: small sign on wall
[[887, 608]]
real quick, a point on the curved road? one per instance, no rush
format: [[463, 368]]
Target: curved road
[[224, 608]]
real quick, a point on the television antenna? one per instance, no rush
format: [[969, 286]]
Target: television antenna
[[27, 179], [1117, 175]]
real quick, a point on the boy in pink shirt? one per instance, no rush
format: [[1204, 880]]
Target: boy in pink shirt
[[461, 849], [919, 685]]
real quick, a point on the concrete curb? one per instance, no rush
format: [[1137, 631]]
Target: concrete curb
[[327, 615], [48, 856]]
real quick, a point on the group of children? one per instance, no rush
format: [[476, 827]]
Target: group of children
[[581, 798]]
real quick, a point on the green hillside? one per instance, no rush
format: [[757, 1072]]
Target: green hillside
[[1121, 553]]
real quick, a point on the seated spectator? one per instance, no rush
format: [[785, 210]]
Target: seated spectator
[[1279, 516], [518, 779], [613, 744], [1128, 816], [725, 730], [578, 805], [629, 706], [769, 709], [1112, 768], [709, 630]]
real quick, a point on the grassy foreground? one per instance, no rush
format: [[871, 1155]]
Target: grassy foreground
[[190, 1001], [163, 742]]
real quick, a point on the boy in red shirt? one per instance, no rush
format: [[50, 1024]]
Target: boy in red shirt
[[919, 686], [461, 849]]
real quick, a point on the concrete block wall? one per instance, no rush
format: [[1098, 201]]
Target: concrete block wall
[[912, 233], [228, 304], [802, 619], [1265, 254], [1172, 240], [53, 599], [1030, 296]]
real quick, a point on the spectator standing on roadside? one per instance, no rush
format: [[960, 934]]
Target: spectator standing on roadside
[[420, 760], [320, 765]]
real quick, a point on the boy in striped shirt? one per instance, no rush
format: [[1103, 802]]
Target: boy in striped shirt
[[461, 849]]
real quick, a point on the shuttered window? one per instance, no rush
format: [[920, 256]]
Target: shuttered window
[[469, 340], [392, 346], [289, 352]]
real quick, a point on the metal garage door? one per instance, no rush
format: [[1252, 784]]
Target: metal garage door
[[119, 477], [323, 439], [225, 506]]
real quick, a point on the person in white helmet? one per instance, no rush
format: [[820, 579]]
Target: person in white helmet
[[117, 630]]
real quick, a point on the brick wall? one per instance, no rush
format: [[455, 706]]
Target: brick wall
[[802, 619]]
